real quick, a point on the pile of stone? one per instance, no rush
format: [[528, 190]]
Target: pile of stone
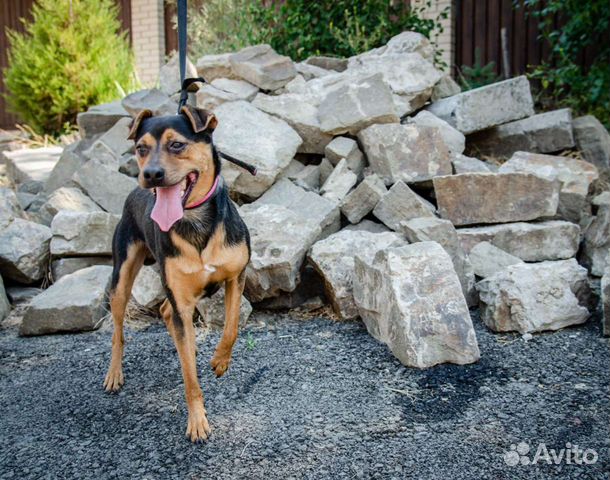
[[382, 190]]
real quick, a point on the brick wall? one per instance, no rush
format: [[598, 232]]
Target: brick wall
[[148, 38], [446, 39]]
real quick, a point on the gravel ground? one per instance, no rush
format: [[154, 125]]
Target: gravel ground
[[303, 399]]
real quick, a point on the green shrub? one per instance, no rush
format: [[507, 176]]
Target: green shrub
[[301, 28], [563, 80], [71, 56], [478, 75], [218, 26]]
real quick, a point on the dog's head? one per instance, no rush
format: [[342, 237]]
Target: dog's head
[[176, 158]]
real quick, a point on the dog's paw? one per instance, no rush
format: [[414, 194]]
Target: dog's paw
[[114, 380], [220, 364], [198, 429]]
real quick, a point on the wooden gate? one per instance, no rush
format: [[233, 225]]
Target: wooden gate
[[479, 25], [11, 13]]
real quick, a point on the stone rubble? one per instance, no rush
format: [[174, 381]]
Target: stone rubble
[[24, 250], [333, 258], [487, 259], [542, 133], [471, 198], [356, 157], [75, 303], [411, 153], [426, 229], [470, 111], [531, 242], [575, 176], [82, 233], [535, 297], [400, 204], [410, 299]]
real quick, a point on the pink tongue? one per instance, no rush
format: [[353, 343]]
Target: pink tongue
[[168, 207]]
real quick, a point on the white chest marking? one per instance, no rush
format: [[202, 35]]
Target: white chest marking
[[209, 268]]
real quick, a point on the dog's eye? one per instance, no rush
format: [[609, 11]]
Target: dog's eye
[[177, 146], [142, 150]]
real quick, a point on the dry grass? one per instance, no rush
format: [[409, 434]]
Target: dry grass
[[26, 137]]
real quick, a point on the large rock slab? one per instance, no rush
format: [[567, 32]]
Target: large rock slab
[[82, 233], [453, 138], [66, 198], [487, 259], [153, 99], [542, 133], [212, 309], [256, 137], [363, 199], [280, 239], [241, 89], [593, 140], [31, 164], [410, 299], [356, 105], [472, 110], [262, 66], [535, 297], [224, 90], [401, 204], [9, 206], [100, 118], [411, 153], [432, 229], [65, 266], [472, 198], [576, 177], [333, 258], [308, 205], [404, 42], [5, 306], [410, 76], [71, 159], [106, 186], [596, 246], [24, 250], [531, 242], [148, 291], [300, 115], [215, 66], [76, 303]]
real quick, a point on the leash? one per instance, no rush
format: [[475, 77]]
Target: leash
[[188, 84]]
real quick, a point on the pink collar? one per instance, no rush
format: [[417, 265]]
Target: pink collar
[[207, 195]]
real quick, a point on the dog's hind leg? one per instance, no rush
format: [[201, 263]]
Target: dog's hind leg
[[129, 255], [234, 288]]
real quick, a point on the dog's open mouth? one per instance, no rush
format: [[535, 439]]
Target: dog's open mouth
[[186, 186], [170, 201]]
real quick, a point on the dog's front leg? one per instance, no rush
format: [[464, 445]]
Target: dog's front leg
[[183, 333], [127, 263], [234, 288]]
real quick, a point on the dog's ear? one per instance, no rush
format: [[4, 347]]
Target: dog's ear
[[135, 124], [200, 119]]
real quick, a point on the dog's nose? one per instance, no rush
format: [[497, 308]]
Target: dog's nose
[[154, 175]]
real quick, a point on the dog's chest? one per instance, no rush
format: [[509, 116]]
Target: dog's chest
[[215, 263]]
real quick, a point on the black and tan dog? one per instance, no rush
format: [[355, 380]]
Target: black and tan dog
[[183, 219]]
